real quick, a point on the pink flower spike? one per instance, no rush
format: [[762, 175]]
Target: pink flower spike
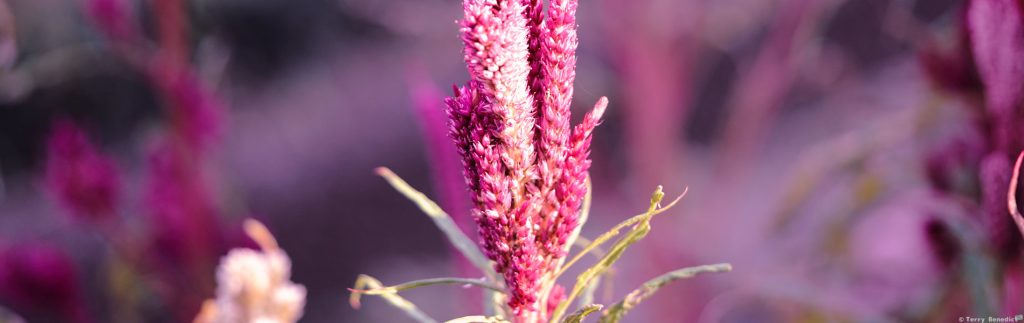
[[573, 185], [496, 39], [84, 180], [558, 70], [525, 166]]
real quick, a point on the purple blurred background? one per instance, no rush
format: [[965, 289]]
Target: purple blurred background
[[830, 150]]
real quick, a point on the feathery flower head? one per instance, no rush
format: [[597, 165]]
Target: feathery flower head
[[255, 286], [84, 181], [526, 167]]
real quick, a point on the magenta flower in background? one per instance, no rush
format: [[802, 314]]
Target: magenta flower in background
[[195, 112], [981, 170], [994, 175], [996, 30], [951, 69], [977, 164], [39, 278], [185, 236], [84, 180], [183, 215], [525, 167], [113, 18]]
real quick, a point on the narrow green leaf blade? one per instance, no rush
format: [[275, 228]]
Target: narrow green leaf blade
[[639, 231], [582, 219], [477, 319], [587, 295], [427, 282], [406, 306], [605, 237], [577, 317], [459, 239], [615, 313]]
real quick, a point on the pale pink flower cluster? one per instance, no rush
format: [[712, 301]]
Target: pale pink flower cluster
[[255, 286], [525, 165]]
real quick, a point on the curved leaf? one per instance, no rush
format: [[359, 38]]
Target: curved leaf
[[617, 311], [466, 246], [397, 301], [641, 226], [427, 282], [477, 319], [577, 317], [652, 211]]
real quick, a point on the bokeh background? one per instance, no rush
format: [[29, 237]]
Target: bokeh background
[[836, 153]]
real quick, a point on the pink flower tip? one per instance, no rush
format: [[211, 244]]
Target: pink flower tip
[[600, 107]]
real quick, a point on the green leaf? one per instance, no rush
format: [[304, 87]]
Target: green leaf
[[582, 242], [641, 226], [492, 301], [477, 319], [577, 317], [467, 247], [397, 301], [615, 313], [427, 282], [582, 218], [605, 237], [587, 295]]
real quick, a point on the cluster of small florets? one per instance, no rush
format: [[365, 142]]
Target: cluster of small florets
[[255, 286], [527, 168]]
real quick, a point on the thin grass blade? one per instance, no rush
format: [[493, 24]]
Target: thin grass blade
[[467, 247], [578, 315], [582, 219], [410, 309], [615, 313], [477, 319], [605, 237], [639, 231], [427, 282]]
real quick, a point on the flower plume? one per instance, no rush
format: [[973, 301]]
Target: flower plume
[[524, 164]]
